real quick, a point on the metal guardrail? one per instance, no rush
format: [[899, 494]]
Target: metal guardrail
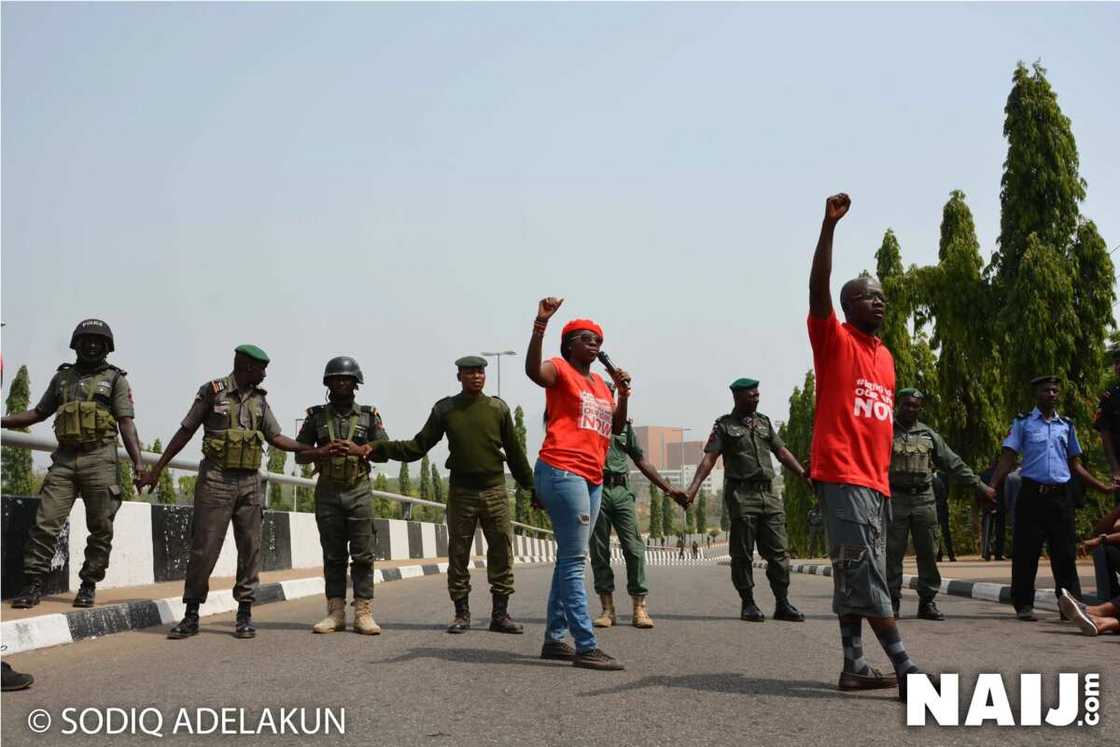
[[39, 443]]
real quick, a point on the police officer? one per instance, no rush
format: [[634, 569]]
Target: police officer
[[1043, 512], [237, 422], [745, 438], [1107, 421], [93, 403], [915, 451], [480, 437], [617, 509], [343, 501]]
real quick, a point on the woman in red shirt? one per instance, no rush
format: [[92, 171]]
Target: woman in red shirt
[[581, 417]]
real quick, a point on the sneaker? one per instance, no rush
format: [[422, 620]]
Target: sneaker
[[1075, 611], [557, 650], [596, 659]]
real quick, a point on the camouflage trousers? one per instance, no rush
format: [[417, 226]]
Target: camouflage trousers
[[346, 532], [74, 471], [467, 508]]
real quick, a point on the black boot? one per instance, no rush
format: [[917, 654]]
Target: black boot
[[85, 594], [30, 595], [928, 611], [500, 621], [750, 611], [244, 627], [462, 621], [783, 610], [13, 680], [188, 626]]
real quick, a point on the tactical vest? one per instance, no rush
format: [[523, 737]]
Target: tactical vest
[[86, 420], [911, 462], [746, 450], [237, 447], [344, 471]]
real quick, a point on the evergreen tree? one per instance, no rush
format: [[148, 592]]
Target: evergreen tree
[[124, 478], [165, 488], [1052, 277], [277, 458], [15, 464], [383, 507], [797, 432], [724, 518], [425, 479], [895, 332], [304, 499], [437, 486], [521, 502], [654, 511], [689, 520], [667, 515], [404, 481], [186, 488], [702, 510]]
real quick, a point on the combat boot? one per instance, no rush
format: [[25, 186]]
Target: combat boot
[[363, 618], [243, 625], [641, 618], [84, 597], [608, 618], [500, 621], [462, 621], [335, 619], [750, 611], [188, 626], [784, 610], [30, 595], [928, 611]]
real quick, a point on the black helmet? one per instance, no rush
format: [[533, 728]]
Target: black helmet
[[343, 365], [92, 327]]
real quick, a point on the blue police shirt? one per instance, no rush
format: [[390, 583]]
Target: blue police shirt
[[1046, 446]]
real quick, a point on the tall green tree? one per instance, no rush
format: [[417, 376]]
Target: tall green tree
[[425, 491], [186, 488], [797, 432], [304, 499], [702, 510], [277, 458], [15, 464], [165, 488], [724, 519], [438, 494], [404, 481], [654, 511], [1052, 277], [124, 479], [895, 332], [689, 520], [521, 503], [667, 522]]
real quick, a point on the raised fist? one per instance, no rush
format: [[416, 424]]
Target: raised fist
[[548, 306], [836, 207]]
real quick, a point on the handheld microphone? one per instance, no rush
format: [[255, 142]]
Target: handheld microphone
[[609, 365]]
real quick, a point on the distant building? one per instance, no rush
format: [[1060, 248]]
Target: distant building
[[655, 441]]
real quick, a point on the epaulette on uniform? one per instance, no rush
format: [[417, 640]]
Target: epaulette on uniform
[[314, 410], [367, 409], [120, 371]]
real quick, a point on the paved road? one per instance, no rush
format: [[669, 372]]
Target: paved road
[[700, 677]]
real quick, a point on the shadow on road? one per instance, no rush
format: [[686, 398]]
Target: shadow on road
[[734, 683], [473, 656]]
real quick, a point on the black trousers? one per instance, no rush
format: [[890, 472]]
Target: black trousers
[[946, 535], [993, 527], [1043, 517]]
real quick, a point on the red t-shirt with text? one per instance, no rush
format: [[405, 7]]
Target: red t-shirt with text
[[854, 421], [580, 412]]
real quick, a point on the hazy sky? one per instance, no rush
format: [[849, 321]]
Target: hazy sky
[[402, 183]]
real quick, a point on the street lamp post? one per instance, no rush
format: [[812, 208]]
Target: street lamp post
[[499, 357]]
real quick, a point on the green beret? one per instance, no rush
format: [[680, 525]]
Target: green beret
[[740, 385], [471, 361], [910, 392], [253, 352], [1048, 379]]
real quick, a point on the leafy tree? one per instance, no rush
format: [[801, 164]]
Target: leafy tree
[[186, 488], [702, 510], [277, 458], [895, 332], [667, 515], [15, 464], [425, 479], [304, 499], [654, 511], [124, 478], [404, 481], [689, 520], [797, 432], [521, 502], [383, 507]]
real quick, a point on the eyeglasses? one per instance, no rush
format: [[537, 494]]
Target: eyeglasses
[[586, 338]]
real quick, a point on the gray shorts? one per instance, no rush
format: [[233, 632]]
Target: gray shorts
[[857, 518]]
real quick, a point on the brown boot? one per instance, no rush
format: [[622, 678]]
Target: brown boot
[[608, 618], [363, 618], [641, 618], [335, 619]]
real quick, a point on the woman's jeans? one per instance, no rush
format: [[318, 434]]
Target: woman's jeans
[[573, 507]]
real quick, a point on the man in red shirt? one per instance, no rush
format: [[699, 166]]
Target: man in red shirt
[[851, 455]]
